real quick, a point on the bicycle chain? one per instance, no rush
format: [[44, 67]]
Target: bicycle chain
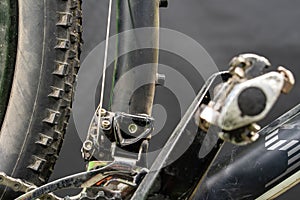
[[18, 185]]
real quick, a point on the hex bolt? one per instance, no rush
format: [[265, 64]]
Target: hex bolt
[[105, 124], [132, 128]]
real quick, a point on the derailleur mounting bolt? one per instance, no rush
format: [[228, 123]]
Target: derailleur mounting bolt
[[132, 128], [105, 124], [88, 145], [103, 112]]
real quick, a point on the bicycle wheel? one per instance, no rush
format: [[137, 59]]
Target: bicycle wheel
[[46, 64]]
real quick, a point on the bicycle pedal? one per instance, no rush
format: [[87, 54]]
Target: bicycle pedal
[[245, 98]]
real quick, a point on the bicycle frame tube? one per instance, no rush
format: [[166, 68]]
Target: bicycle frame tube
[[180, 183], [253, 170], [135, 98]]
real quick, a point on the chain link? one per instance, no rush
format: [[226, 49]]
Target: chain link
[[18, 185]]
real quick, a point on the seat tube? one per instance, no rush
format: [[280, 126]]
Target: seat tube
[[136, 71]]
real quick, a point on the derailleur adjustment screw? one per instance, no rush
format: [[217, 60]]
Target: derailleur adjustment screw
[[132, 128], [105, 124], [163, 3]]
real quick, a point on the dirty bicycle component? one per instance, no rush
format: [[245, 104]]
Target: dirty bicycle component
[[245, 98], [109, 177]]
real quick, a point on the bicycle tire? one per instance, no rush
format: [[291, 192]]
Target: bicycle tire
[[8, 44], [47, 61]]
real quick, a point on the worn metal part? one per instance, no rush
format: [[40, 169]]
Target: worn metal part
[[110, 179], [20, 186], [249, 101], [119, 132], [246, 98], [248, 65], [122, 139], [122, 122]]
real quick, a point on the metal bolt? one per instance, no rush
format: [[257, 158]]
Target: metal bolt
[[132, 128], [17, 186], [101, 155], [105, 124], [254, 127], [94, 131], [88, 145], [103, 112]]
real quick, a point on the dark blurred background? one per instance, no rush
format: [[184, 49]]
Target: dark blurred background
[[225, 29]]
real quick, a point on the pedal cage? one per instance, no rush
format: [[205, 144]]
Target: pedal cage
[[244, 99]]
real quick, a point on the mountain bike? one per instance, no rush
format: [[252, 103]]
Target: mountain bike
[[118, 137]]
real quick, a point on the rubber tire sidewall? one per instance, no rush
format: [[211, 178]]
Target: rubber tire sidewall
[[36, 112]]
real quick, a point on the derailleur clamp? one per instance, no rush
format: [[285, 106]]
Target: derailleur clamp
[[117, 135]]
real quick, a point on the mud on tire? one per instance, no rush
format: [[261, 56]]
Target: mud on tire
[[47, 61]]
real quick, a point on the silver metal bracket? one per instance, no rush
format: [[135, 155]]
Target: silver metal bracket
[[119, 135]]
